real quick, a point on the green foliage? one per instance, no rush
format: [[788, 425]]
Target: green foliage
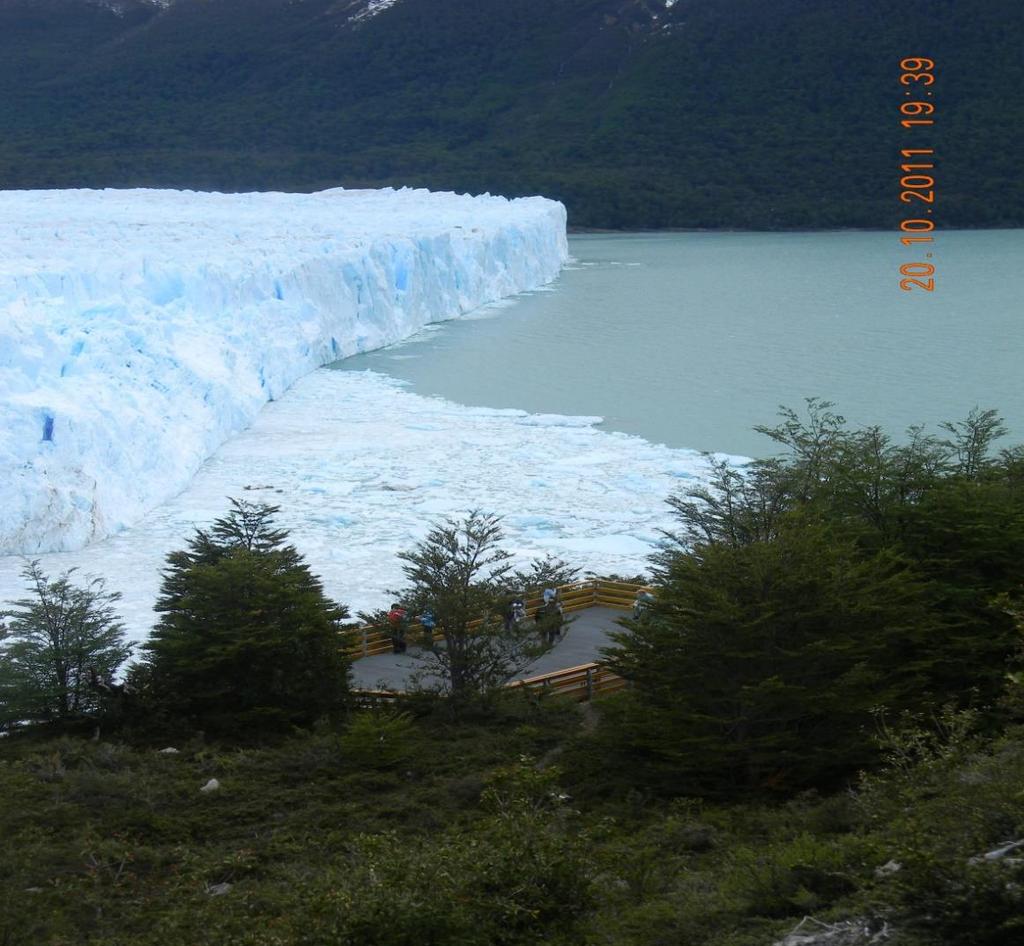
[[54, 646], [472, 842], [947, 799], [247, 640], [460, 573], [513, 878], [523, 787], [758, 665], [1012, 700], [794, 878], [804, 590], [377, 739], [638, 579], [116, 845], [967, 538], [971, 440], [547, 572]]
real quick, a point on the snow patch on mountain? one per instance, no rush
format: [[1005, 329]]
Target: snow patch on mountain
[[369, 9], [122, 7]]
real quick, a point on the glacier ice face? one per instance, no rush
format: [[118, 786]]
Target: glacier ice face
[[141, 328], [361, 468]]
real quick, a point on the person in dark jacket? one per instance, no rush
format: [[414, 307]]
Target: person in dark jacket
[[642, 603], [550, 619], [557, 620], [515, 611]]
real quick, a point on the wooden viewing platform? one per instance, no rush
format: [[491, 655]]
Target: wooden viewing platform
[[571, 668]]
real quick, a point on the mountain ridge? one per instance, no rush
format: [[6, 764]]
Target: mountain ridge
[[634, 113]]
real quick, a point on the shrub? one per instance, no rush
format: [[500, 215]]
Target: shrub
[[378, 738]]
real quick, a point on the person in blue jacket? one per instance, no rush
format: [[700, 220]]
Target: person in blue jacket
[[428, 622]]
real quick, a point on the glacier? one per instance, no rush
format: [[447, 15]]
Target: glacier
[[361, 468], [141, 329]]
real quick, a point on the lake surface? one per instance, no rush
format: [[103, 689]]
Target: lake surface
[[685, 339], [692, 339]]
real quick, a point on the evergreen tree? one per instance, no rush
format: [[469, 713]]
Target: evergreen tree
[[548, 572], [53, 643], [459, 572], [247, 637], [966, 538], [758, 666], [801, 591], [971, 441]]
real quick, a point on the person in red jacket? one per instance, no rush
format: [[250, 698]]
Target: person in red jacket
[[398, 619]]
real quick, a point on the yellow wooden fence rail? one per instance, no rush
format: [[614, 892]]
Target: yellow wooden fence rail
[[368, 641], [582, 684]]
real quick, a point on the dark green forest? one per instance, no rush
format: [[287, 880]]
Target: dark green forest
[[734, 113]]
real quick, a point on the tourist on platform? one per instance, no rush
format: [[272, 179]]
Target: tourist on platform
[[644, 599], [398, 620], [515, 613], [550, 619], [557, 620], [428, 622]]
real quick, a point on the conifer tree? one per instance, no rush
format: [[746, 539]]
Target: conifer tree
[[966, 538], [52, 644], [758, 666], [247, 637], [461, 574], [803, 590]]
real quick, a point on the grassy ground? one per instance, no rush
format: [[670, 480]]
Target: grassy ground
[[501, 829]]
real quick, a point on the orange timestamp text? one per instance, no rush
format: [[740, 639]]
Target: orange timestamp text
[[917, 183]]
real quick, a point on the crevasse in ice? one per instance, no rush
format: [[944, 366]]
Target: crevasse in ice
[[139, 329]]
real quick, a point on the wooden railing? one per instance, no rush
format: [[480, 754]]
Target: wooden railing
[[581, 683], [617, 594], [368, 641]]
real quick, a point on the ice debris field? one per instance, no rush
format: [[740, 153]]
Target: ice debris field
[[361, 468], [157, 355], [141, 329]]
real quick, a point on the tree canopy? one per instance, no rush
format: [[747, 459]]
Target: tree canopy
[[247, 637], [54, 645], [733, 114], [802, 593], [460, 573]]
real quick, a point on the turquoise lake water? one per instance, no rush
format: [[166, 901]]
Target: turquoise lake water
[[691, 339]]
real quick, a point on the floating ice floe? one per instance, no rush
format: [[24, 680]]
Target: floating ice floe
[[361, 468]]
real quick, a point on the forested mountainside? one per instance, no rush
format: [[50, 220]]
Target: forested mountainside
[[635, 113]]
